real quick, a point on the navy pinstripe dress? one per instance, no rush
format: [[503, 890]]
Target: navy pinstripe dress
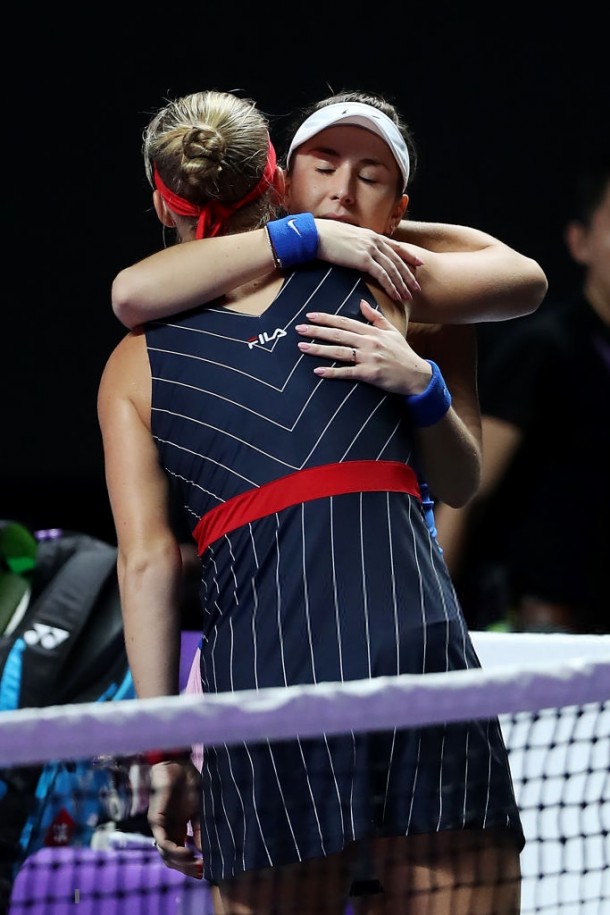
[[317, 565]]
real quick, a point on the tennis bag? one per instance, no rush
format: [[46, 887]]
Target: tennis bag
[[66, 646]]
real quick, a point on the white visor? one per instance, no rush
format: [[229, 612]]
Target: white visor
[[358, 115]]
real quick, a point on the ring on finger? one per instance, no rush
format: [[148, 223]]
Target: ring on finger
[[354, 354]]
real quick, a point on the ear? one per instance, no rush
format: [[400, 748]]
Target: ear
[[163, 211], [397, 214], [287, 190], [279, 186], [577, 241]]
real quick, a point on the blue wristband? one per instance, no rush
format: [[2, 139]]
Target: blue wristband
[[294, 239], [432, 404]]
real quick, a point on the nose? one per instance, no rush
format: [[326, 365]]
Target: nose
[[344, 186]]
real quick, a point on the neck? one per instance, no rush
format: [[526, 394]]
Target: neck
[[254, 296]]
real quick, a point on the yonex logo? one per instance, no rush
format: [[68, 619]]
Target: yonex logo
[[265, 337], [48, 637], [292, 224]]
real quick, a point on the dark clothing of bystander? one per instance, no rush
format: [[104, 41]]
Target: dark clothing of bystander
[[545, 530]]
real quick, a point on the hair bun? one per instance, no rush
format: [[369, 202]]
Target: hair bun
[[204, 143]]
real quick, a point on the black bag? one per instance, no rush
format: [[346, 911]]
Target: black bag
[[67, 646]]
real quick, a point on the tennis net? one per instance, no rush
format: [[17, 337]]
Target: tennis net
[[95, 847]]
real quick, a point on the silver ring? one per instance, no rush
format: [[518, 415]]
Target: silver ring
[[354, 354]]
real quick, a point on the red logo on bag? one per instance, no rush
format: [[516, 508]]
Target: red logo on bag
[[61, 830]]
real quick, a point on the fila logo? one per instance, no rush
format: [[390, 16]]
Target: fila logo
[[292, 224], [265, 337], [48, 636]]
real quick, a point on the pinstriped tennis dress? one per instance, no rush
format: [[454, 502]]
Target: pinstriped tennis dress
[[303, 585]]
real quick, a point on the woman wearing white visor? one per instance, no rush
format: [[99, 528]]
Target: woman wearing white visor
[[435, 806]]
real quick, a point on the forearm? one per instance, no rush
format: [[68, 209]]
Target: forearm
[[470, 275], [150, 582], [450, 458], [500, 443], [446, 414], [491, 284], [196, 272], [451, 533], [440, 237], [189, 274]]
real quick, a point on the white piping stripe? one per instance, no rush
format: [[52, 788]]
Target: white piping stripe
[[315, 809], [241, 801], [306, 596], [365, 602], [397, 638], [207, 763], [277, 777], [335, 593], [260, 828], [222, 801]]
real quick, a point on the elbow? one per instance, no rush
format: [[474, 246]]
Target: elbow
[[535, 288], [460, 495], [124, 297], [459, 489], [143, 564]]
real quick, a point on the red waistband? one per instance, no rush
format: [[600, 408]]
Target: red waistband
[[303, 486]]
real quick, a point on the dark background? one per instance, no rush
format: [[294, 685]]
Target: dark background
[[505, 103]]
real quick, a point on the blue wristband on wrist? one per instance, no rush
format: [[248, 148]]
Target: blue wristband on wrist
[[432, 404], [294, 239]]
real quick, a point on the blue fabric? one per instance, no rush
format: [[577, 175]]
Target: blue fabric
[[10, 684], [430, 406], [294, 238]]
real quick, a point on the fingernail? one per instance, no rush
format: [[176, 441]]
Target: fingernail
[[319, 371], [420, 263], [302, 345], [312, 315], [301, 328]]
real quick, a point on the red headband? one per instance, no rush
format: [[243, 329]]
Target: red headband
[[213, 215]]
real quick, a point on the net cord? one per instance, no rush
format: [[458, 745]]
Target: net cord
[[29, 736]]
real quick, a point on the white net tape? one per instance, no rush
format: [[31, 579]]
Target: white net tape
[[88, 729]]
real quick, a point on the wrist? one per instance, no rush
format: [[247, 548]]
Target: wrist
[[276, 261], [293, 240], [420, 376], [433, 403]]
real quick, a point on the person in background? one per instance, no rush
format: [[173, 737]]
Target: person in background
[[530, 550]]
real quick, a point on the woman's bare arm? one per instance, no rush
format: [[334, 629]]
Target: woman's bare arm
[[451, 449], [149, 559], [469, 276], [479, 279], [150, 580], [195, 272]]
